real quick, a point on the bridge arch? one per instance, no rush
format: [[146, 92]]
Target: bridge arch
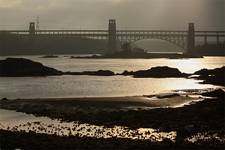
[[179, 41]]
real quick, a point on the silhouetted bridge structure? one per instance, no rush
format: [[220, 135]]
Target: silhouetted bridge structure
[[184, 39]]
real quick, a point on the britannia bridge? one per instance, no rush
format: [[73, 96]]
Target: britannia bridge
[[184, 39]]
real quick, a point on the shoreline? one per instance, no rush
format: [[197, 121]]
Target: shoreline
[[97, 110], [125, 103], [203, 117]]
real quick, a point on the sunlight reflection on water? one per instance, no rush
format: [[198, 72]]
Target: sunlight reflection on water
[[93, 86], [119, 65]]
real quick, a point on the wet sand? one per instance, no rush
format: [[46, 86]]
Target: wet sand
[[98, 104], [133, 112]]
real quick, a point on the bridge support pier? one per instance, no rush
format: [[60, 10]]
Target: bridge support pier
[[32, 28], [191, 38], [217, 39], [205, 39], [112, 36]]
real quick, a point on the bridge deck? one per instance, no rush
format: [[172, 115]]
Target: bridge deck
[[118, 32]]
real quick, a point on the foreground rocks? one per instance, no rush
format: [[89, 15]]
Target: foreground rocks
[[205, 117], [20, 67], [22, 140]]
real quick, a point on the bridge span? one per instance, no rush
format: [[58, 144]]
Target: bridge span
[[184, 39]]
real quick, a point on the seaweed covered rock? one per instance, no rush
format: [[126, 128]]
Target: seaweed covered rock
[[20, 67], [157, 72]]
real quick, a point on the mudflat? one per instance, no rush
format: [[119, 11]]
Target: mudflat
[[102, 103]]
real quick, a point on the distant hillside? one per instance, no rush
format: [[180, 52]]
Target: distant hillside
[[12, 45]]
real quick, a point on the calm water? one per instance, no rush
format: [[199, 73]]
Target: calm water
[[87, 86]]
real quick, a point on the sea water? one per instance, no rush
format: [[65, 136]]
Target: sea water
[[98, 86]]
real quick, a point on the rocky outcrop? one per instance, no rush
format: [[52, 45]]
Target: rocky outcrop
[[212, 76], [20, 67], [157, 72]]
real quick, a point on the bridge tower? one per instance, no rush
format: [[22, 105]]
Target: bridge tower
[[32, 28], [191, 38], [112, 36]]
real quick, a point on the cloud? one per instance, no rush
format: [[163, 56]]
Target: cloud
[[9, 3], [93, 14]]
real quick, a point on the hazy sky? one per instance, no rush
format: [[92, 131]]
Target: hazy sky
[[94, 14]]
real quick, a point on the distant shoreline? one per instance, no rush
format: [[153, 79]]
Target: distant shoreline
[[140, 56]]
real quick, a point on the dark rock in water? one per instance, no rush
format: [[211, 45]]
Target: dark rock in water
[[157, 72], [127, 73], [100, 73], [50, 56], [93, 73], [207, 72], [20, 67], [168, 95], [72, 57], [212, 76], [217, 93], [4, 99]]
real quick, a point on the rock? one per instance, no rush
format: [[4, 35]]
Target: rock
[[20, 67], [4, 99], [189, 128], [157, 72], [102, 73], [167, 95], [72, 57], [207, 72], [92, 73], [127, 73], [212, 76], [50, 56], [216, 93]]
